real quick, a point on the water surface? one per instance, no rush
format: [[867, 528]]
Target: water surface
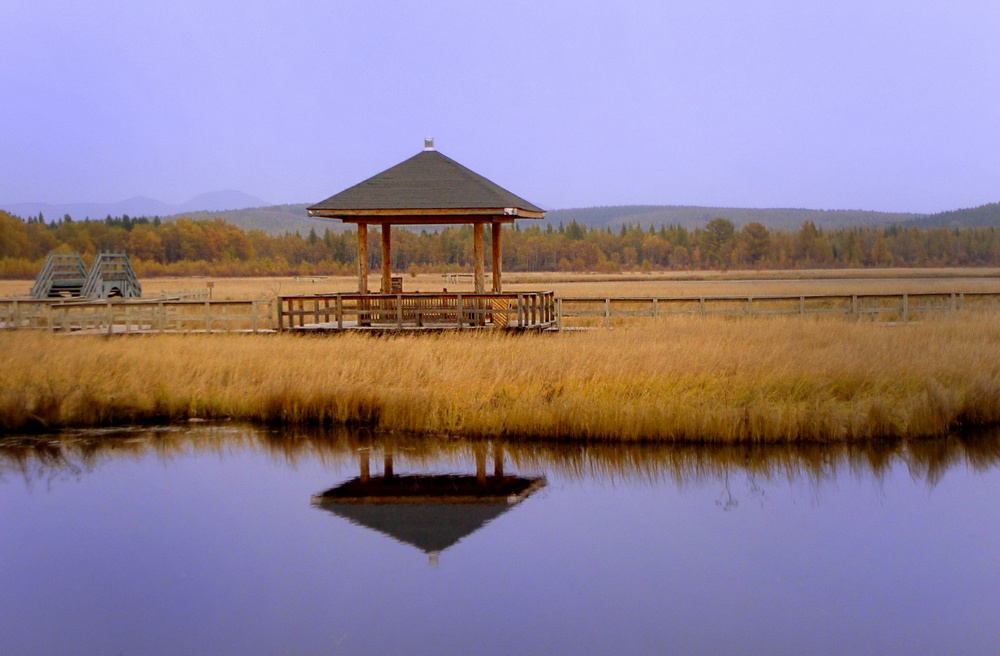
[[207, 541]]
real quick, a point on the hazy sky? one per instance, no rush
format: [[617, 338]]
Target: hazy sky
[[830, 104]]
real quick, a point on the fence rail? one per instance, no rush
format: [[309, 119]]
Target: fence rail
[[578, 310], [524, 310], [137, 316]]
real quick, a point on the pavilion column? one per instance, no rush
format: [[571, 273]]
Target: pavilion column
[[362, 258], [386, 258], [478, 256], [497, 262]]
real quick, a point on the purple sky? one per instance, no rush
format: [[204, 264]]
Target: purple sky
[[832, 104]]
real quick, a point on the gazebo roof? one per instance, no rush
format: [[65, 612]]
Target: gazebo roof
[[429, 527], [431, 512], [428, 186]]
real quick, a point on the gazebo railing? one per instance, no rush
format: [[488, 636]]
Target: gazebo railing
[[516, 310]]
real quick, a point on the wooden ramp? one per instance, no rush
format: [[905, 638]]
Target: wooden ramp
[[112, 276], [62, 275]]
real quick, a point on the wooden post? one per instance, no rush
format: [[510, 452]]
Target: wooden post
[[480, 464], [906, 308], [340, 312], [477, 257], [364, 466], [387, 467], [497, 461], [386, 258], [497, 261], [362, 258]]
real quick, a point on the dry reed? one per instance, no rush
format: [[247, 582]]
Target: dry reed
[[676, 379]]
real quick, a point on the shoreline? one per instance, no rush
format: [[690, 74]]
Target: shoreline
[[678, 380]]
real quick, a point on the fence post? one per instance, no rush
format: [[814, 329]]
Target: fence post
[[656, 307], [458, 309], [208, 317], [520, 310], [559, 315], [111, 320], [399, 310], [961, 301], [802, 304], [906, 308], [607, 312], [254, 310], [701, 306], [340, 312], [854, 306], [951, 307]]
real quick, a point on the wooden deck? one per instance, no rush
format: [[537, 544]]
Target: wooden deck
[[417, 312], [524, 311]]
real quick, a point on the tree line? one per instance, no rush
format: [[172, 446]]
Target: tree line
[[213, 247]]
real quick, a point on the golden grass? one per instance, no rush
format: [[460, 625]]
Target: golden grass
[[678, 283], [337, 448], [676, 379]]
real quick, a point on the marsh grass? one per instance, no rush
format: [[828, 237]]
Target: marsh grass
[[674, 379], [664, 283], [73, 453]]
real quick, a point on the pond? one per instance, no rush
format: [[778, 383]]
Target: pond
[[238, 540]]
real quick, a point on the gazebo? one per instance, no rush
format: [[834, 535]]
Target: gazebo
[[431, 512], [427, 189]]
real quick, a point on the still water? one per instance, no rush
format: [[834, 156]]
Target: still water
[[208, 541]]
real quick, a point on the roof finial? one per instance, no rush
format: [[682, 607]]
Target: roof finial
[[428, 143]]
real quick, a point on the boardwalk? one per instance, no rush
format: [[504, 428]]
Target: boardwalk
[[515, 311]]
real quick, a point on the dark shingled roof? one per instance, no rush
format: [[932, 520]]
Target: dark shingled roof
[[429, 527], [426, 181]]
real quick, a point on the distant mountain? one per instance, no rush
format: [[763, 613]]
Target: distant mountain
[[974, 217], [252, 213], [274, 220], [136, 206], [692, 217]]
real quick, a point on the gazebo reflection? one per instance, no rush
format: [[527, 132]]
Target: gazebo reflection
[[428, 511]]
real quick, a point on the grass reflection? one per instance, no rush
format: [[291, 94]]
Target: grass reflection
[[74, 454]]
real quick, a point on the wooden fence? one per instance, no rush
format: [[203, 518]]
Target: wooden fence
[[592, 311], [434, 311], [137, 316], [525, 310]]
